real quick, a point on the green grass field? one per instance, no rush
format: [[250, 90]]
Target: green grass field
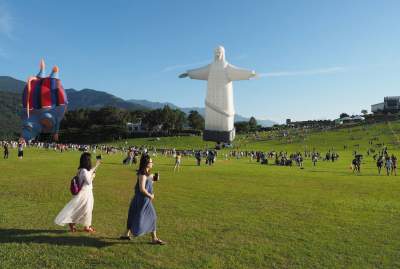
[[236, 214]]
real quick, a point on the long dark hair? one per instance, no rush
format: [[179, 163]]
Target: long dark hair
[[85, 161], [144, 161]]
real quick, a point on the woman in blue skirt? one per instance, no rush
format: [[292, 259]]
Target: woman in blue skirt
[[142, 215]]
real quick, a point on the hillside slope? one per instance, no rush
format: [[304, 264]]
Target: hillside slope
[[356, 138]]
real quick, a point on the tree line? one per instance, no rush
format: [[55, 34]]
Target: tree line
[[110, 123], [165, 118]]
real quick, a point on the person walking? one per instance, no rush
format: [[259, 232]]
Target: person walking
[[5, 151], [198, 158], [388, 165], [314, 159], [79, 209], [394, 165], [131, 155], [142, 216], [379, 164], [20, 150], [177, 161], [356, 164]]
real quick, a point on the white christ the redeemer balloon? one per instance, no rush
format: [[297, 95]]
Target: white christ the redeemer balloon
[[220, 113]]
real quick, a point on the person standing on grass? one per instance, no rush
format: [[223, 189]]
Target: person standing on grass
[[314, 159], [142, 216], [198, 158], [79, 209], [131, 155], [177, 161], [379, 164], [20, 149], [251, 156], [356, 165], [5, 150], [210, 157], [300, 158], [394, 165], [388, 165]]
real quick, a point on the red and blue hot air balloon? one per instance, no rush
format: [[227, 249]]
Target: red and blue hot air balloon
[[45, 102]]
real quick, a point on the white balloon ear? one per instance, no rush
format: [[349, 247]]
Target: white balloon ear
[[42, 72], [42, 64]]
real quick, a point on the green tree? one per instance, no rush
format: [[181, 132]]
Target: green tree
[[195, 120], [172, 119], [179, 119], [253, 124], [153, 118], [168, 118], [242, 127]]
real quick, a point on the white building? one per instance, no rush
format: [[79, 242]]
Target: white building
[[390, 104], [377, 107], [134, 127]]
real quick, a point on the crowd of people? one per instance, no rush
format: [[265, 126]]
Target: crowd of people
[[280, 158]]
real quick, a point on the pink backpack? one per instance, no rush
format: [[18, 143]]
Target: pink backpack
[[75, 186]]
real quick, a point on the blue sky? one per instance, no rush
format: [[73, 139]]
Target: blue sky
[[315, 58]]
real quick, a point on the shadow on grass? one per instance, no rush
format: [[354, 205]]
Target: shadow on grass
[[52, 237]]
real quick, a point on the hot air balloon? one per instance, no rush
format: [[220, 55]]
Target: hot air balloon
[[45, 102]]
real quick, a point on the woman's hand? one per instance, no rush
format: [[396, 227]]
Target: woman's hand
[[151, 197]]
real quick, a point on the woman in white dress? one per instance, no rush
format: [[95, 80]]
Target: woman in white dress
[[79, 209]]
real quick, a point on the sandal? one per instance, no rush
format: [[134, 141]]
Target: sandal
[[158, 242], [72, 227], [125, 237], [89, 230]]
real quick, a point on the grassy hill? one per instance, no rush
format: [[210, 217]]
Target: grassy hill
[[236, 214], [355, 138]]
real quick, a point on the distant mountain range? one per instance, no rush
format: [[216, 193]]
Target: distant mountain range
[[89, 98], [9, 84]]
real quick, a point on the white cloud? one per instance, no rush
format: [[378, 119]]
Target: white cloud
[[309, 72]]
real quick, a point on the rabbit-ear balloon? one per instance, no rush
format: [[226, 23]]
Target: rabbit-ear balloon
[[45, 102]]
